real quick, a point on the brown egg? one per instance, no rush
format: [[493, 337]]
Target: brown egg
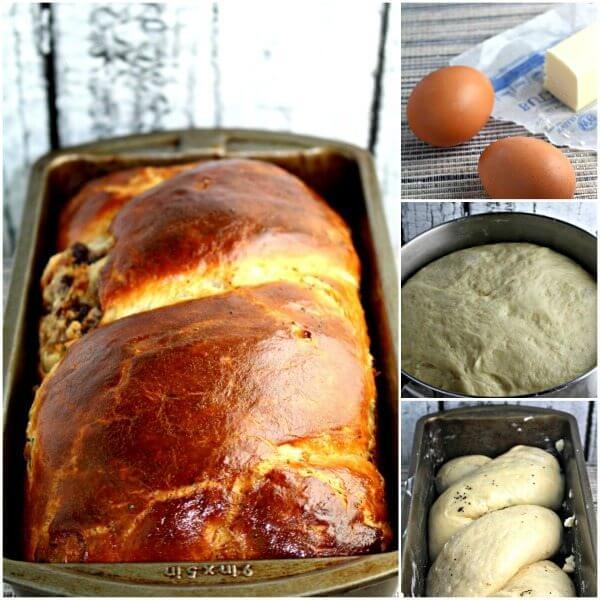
[[523, 167], [450, 105]]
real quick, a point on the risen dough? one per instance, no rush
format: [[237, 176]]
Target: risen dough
[[523, 475], [499, 320], [539, 580], [458, 468], [482, 557]]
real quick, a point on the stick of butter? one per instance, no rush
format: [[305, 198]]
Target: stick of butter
[[571, 72]]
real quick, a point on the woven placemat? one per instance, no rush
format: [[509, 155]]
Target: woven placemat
[[432, 34]]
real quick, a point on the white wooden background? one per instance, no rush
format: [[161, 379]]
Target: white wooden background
[[418, 217], [78, 72]]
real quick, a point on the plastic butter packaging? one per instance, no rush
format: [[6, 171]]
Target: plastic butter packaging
[[515, 63]]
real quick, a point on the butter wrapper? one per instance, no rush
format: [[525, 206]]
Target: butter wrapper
[[514, 62]]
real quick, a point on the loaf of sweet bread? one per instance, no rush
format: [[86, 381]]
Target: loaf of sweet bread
[[208, 389]]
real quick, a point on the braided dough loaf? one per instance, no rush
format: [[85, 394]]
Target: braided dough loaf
[[539, 580], [483, 556], [492, 527], [458, 468], [499, 320], [221, 403], [523, 475]]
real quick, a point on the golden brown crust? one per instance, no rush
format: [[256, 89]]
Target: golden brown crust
[[88, 215], [210, 229], [219, 226], [234, 426], [223, 409]]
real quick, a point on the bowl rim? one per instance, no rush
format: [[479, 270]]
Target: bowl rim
[[509, 214]]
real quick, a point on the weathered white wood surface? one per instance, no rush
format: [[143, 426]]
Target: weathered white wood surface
[[387, 149], [125, 68], [418, 217], [300, 67], [264, 65], [414, 409], [582, 214], [25, 114], [130, 68]]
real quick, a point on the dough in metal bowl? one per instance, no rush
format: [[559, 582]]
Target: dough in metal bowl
[[503, 319]]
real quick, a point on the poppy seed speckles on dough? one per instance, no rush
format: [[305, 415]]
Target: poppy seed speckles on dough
[[480, 551], [501, 552], [493, 488]]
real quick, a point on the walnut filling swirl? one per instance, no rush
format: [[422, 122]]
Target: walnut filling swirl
[[70, 297]]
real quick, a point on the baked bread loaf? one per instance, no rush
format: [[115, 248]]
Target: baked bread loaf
[[492, 529], [221, 406], [499, 320]]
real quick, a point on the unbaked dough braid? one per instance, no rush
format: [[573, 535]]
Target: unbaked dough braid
[[492, 528], [539, 580], [523, 475], [458, 468], [482, 558]]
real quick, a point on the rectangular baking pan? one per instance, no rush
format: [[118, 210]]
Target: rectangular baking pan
[[492, 430], [345, 176]]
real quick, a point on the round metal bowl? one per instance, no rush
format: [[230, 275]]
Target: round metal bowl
[[492, 228]]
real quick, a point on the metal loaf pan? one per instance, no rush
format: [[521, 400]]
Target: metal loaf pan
[[345, 176], [492, 228], [493, 430]]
